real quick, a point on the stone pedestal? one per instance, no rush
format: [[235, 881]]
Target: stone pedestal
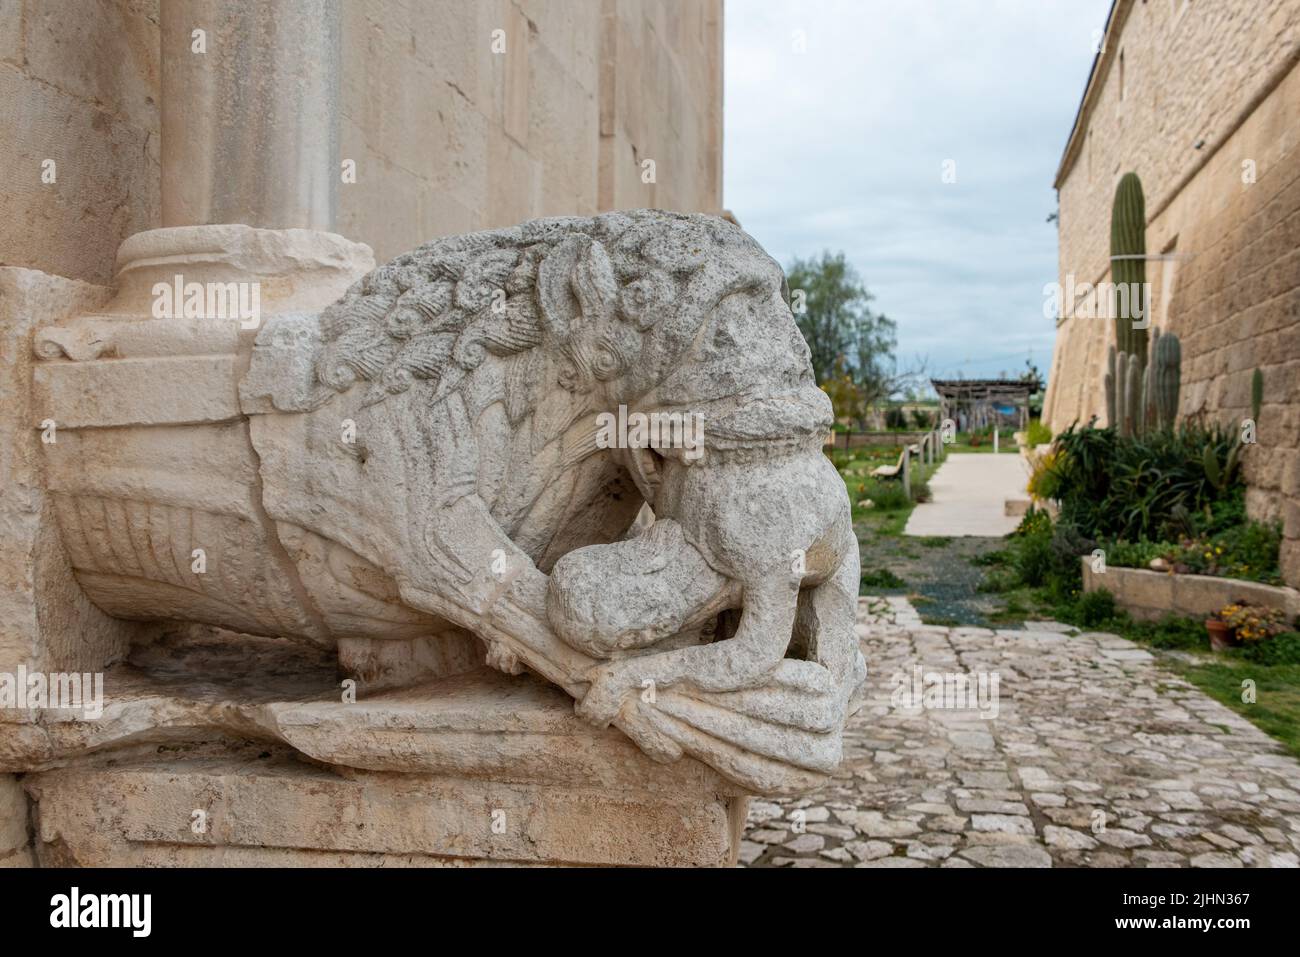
[[480, 768], [304, 512]]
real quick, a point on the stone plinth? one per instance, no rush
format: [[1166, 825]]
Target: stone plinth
[[479, 768]]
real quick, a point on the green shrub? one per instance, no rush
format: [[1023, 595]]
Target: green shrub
[[1033, 559], [1037, 433], [1041, 555], [1248, 550], [881, 578], [1134, 487], [895, 418], [1136, 554], [1171, 631], [922, 419], [1283, 649], [1095, 608], [1224, 513]]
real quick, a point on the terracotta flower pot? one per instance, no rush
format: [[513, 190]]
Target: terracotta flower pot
[[1222, 635]]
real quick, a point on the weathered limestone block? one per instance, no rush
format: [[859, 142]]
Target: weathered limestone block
[[434, 455], [45, 621], [479, 767], [15, 843]]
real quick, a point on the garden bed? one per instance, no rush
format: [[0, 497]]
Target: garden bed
[[1150, 595]]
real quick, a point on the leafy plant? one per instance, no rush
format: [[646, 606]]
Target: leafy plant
[[1281, 649], [1247, 550], [1045, 480], [1040, 554], [1131, 487], [1095, 608], [1136, 554], [1037, 434]]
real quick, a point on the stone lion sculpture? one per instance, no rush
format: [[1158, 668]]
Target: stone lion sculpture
[[428, 459]]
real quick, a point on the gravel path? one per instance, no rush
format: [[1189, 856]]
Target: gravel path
[[1096, 757]]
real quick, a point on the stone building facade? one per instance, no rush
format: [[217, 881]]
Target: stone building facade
[[453, 126], [458, 115], [1202, 101]]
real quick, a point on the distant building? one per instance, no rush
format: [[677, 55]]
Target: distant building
[[1202, 101]]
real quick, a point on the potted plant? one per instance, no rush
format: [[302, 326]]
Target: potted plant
[[1220, 632], [1251, 623]]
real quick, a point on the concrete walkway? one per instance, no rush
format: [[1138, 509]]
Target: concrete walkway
[[1087, 754], [968, 495]]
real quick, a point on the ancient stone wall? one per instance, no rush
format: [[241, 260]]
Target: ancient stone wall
[[447, 135], [79, 86], [450, 136], [1217, 146]]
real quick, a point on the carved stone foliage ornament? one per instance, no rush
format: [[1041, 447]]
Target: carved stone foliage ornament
[[431, 455]]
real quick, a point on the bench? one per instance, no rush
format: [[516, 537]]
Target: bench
[[897, 469]]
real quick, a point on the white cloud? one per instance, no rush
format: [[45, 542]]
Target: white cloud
[[842, 147]]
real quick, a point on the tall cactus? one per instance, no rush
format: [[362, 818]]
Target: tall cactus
[[1121, 392], [1109, 381], [1143, 397], [1128, 268], [1166, 377], [1133, 398]]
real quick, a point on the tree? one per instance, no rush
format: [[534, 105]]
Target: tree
[[845, 396], [847, 339]]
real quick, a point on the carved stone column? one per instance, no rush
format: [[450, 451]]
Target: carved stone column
[[250, 113]]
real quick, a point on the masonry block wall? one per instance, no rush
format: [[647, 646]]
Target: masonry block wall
[[448, 136], [1202, 101], [79, 86]]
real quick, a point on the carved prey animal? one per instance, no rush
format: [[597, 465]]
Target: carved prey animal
[[428, 461]]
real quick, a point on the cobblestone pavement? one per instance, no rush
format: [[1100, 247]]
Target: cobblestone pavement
[[1096, 757]]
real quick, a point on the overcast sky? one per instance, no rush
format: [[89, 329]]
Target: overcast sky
[[843, 147]]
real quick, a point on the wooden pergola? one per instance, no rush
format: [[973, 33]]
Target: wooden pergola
[[975, 403]]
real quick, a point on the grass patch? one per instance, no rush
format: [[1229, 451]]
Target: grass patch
[[934, 541], [880, 506], [881, 578], [942, 621], [1276, 709]]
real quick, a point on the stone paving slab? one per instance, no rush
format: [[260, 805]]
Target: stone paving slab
[[1096, 757], [968, 496]]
